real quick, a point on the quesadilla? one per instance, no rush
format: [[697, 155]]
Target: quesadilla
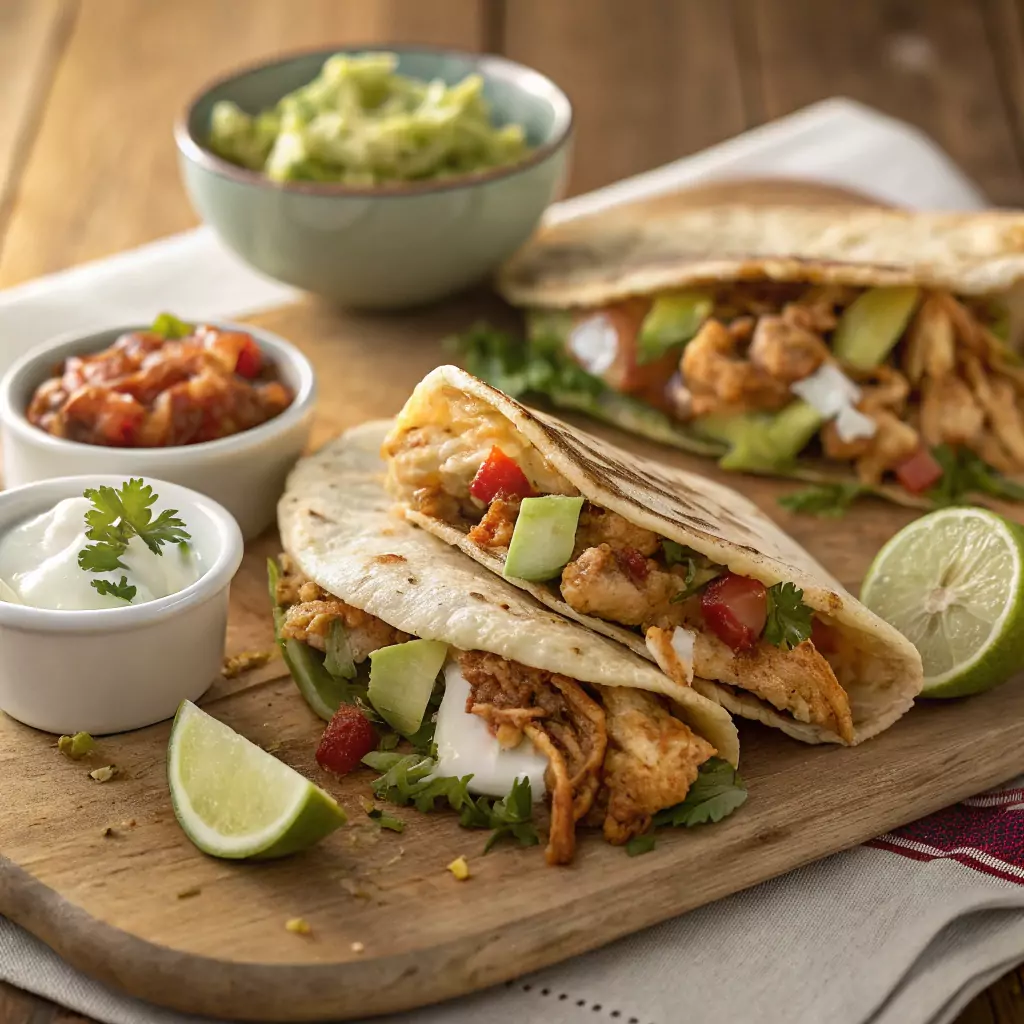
[[681, 570], [527, 693], [870, 345]]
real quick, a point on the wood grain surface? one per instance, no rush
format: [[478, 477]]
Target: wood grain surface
[[90, 87]]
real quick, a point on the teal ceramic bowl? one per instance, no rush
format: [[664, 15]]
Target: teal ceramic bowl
[[388, 246]]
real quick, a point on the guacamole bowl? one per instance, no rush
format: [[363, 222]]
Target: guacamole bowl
[[397, 243]]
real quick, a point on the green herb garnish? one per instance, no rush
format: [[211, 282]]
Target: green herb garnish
[[825, 500], [699, 572], [509, 817], [789, 619], [717, 792], [116, 517], [76, 746], [641, 844], [963, 473], [379, 818], [170, 328], [405, 781]]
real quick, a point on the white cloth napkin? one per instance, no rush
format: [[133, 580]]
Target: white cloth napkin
[[902, 931]]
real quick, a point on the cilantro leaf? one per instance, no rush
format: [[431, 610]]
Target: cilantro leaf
[[104, 519], [407, 780], [170, 328], [641, 844], [789, 619], [509, 817], [378, 817], [676, 554], [716, 793], [965, 474], [121, 589], [101, 557], [826, 500], [699, 572]]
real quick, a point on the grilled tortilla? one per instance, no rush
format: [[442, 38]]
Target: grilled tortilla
[[622, 739], [650, 544], [824, 343]]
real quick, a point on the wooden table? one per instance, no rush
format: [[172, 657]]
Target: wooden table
[[90, 88]]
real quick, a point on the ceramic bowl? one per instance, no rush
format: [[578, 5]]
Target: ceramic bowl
[[389, 246], [118, 668], [244, 472]]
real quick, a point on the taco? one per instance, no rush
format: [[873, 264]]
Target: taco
[[867, 345], [680, 569], [527, 693]]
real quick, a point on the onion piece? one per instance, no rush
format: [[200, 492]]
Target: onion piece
[[832, 394], [682, 643], [595, 344]]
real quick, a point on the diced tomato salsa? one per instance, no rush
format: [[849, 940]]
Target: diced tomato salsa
[[500, 474], [920, 472], [735, 609], [146, 391]]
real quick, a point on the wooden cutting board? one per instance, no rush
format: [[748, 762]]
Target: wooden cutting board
[[103, 874]]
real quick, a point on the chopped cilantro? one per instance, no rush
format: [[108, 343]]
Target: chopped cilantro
[[407, 780], [378, 817], [965, 474], [122, 589], [511, 816], [641, 844], [825, 500], [716, 793], [699, 571], [789, 619]]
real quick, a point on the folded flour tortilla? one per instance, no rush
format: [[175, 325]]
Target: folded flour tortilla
[[647, 536], [623, 740]]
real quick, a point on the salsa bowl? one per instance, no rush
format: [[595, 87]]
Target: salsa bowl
[[113, 669], [389, 245], [244, 472]]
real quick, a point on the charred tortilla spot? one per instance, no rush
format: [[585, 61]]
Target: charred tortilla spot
[[389, 559]]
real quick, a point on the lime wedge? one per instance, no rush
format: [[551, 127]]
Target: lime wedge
[[234, 799], [952, 583]]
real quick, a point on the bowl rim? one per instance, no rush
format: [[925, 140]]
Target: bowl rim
[[14, 419], [194, 150], [227, 559]]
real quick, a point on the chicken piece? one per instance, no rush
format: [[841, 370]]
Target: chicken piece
[[929, 345], [601, 526], [965, 325], [496, 528], [949, 413], [741, 330], [894, 442], [989, 448], [651, 761], [799, 682], [816, 310], [836, 448], [566, 725], [997, 397], [710, 365], [597, 583], [311, 621], [786, 349], [881, 387]]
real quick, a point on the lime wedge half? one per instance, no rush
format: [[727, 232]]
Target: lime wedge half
[[952, 583], [234, 799]]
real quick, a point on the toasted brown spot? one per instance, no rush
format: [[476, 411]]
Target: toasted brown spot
[[389, 559]]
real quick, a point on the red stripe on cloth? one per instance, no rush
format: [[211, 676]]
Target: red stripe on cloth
[[985, 834]]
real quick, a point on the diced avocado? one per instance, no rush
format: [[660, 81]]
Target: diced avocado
[[337, 653], [544, 537], [872, 324], [402, 679], [672, 320], [763, 442]]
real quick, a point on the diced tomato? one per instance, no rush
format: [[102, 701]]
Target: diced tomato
[[919, 472], [735, 609], [500, 474], [622, 372], [250, 361], [348, 738], [823, 637], [633, 564], [236, 350]]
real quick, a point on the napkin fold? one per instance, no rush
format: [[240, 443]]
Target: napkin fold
[[904, 930]]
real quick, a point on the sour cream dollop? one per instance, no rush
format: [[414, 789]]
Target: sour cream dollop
[[39, 564]]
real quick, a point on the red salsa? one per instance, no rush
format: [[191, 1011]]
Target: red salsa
[[172, 385]]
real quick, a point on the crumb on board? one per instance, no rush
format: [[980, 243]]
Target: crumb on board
[[192, 890], [238, 664], [76, 746], [298, 926], [104, 774], [108, 832], [357, 947], [459, 868], [130, 823]]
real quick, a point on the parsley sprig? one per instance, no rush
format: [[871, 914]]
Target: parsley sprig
[[716, 793], [116, 517], [789, 619], [829, 501], [964, 473], [511, 817]]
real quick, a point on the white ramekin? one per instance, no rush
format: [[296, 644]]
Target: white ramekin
[[244, 472], [124, 668]]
